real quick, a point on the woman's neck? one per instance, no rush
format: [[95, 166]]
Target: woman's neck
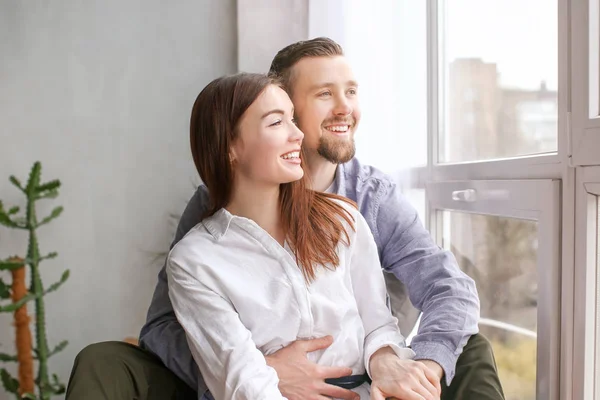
[[260, 204]]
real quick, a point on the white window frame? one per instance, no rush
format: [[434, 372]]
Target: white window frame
[[534, 200], [587, 293], [585, 78], [555, 378]]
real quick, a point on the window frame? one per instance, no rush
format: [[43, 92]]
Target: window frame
[[534, 200], [585, 80], [551, 166], [587, 311]]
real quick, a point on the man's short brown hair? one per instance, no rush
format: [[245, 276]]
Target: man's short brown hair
[[286, 58]]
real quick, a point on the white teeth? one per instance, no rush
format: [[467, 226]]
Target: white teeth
[[343, 128], [293, 154]]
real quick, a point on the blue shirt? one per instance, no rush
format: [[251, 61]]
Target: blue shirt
[[414, 266]]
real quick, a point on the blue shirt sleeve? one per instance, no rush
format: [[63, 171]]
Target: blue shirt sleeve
[[446, 296]]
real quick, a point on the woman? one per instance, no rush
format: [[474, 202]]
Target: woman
[[272, 261]]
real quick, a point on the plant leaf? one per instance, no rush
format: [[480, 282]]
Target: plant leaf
[[4, 290], [59, 388], [30, 396], [6, 221], [49, 256], [7, 357], [10, 265], [16, 182], [34, 177], [55, 213], [56, 285], [58, 347], [16, 305], [10, 384], [13, 210], [52, 185], [51, 194]]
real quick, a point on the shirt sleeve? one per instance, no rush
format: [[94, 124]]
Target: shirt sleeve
[[381, 328], [446, 296], [230, 363]]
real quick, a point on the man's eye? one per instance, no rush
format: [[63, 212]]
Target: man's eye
[[324, 94], [276, 123], [352, 91]]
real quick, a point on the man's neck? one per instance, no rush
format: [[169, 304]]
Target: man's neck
[[259, 204], [320, 171]]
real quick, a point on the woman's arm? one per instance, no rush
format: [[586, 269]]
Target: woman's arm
[[387, 360], [230, 363], [381, 328]]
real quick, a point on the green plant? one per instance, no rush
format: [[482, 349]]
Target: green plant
[[33, 191]]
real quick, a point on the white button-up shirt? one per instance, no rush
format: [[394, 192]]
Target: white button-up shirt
[[240, 295]]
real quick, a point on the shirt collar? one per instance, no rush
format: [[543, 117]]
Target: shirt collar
[[338, 185], [218, 223]]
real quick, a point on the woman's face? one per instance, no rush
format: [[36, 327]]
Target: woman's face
[[267, 148]]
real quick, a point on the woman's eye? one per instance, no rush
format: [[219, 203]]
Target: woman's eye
[[294, 121], [276, 123]]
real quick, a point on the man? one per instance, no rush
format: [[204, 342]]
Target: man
[[325, 95]]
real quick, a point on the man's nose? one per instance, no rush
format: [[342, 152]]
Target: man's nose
[[342, 106]]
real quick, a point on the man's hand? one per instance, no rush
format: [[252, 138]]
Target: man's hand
[[434, 367], [401, 379], [301, 379]]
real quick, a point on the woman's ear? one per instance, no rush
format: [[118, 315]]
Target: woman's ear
[[233, 152]]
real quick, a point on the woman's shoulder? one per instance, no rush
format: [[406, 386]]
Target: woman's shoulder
[[191, 249]]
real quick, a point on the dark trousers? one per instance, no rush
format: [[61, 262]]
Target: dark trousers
[[120, 371]]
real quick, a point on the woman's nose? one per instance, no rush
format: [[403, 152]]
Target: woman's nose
[[296, 134]]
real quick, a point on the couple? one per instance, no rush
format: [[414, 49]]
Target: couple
[[263, 269]]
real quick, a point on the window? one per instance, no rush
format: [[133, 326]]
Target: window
[[501, 255], [498, 79], [505, 236], [465, 109], [512, 109], [585, 67]]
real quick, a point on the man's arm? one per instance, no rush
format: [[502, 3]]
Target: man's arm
[[436, 286], [162, 334]]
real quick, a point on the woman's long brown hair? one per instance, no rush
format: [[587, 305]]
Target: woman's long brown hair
[[312, 221]]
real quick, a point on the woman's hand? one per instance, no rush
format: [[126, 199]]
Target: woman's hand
[[401, 379]]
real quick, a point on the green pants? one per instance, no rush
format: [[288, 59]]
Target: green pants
[[120, 371]]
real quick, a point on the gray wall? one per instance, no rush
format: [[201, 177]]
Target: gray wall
[[100, 93], [267, 26]]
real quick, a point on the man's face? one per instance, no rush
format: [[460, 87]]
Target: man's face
[[325, 97]]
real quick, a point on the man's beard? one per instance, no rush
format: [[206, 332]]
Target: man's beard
[[336, 150]]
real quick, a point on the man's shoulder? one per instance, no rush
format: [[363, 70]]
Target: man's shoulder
[[356, 172], [365, 184]]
